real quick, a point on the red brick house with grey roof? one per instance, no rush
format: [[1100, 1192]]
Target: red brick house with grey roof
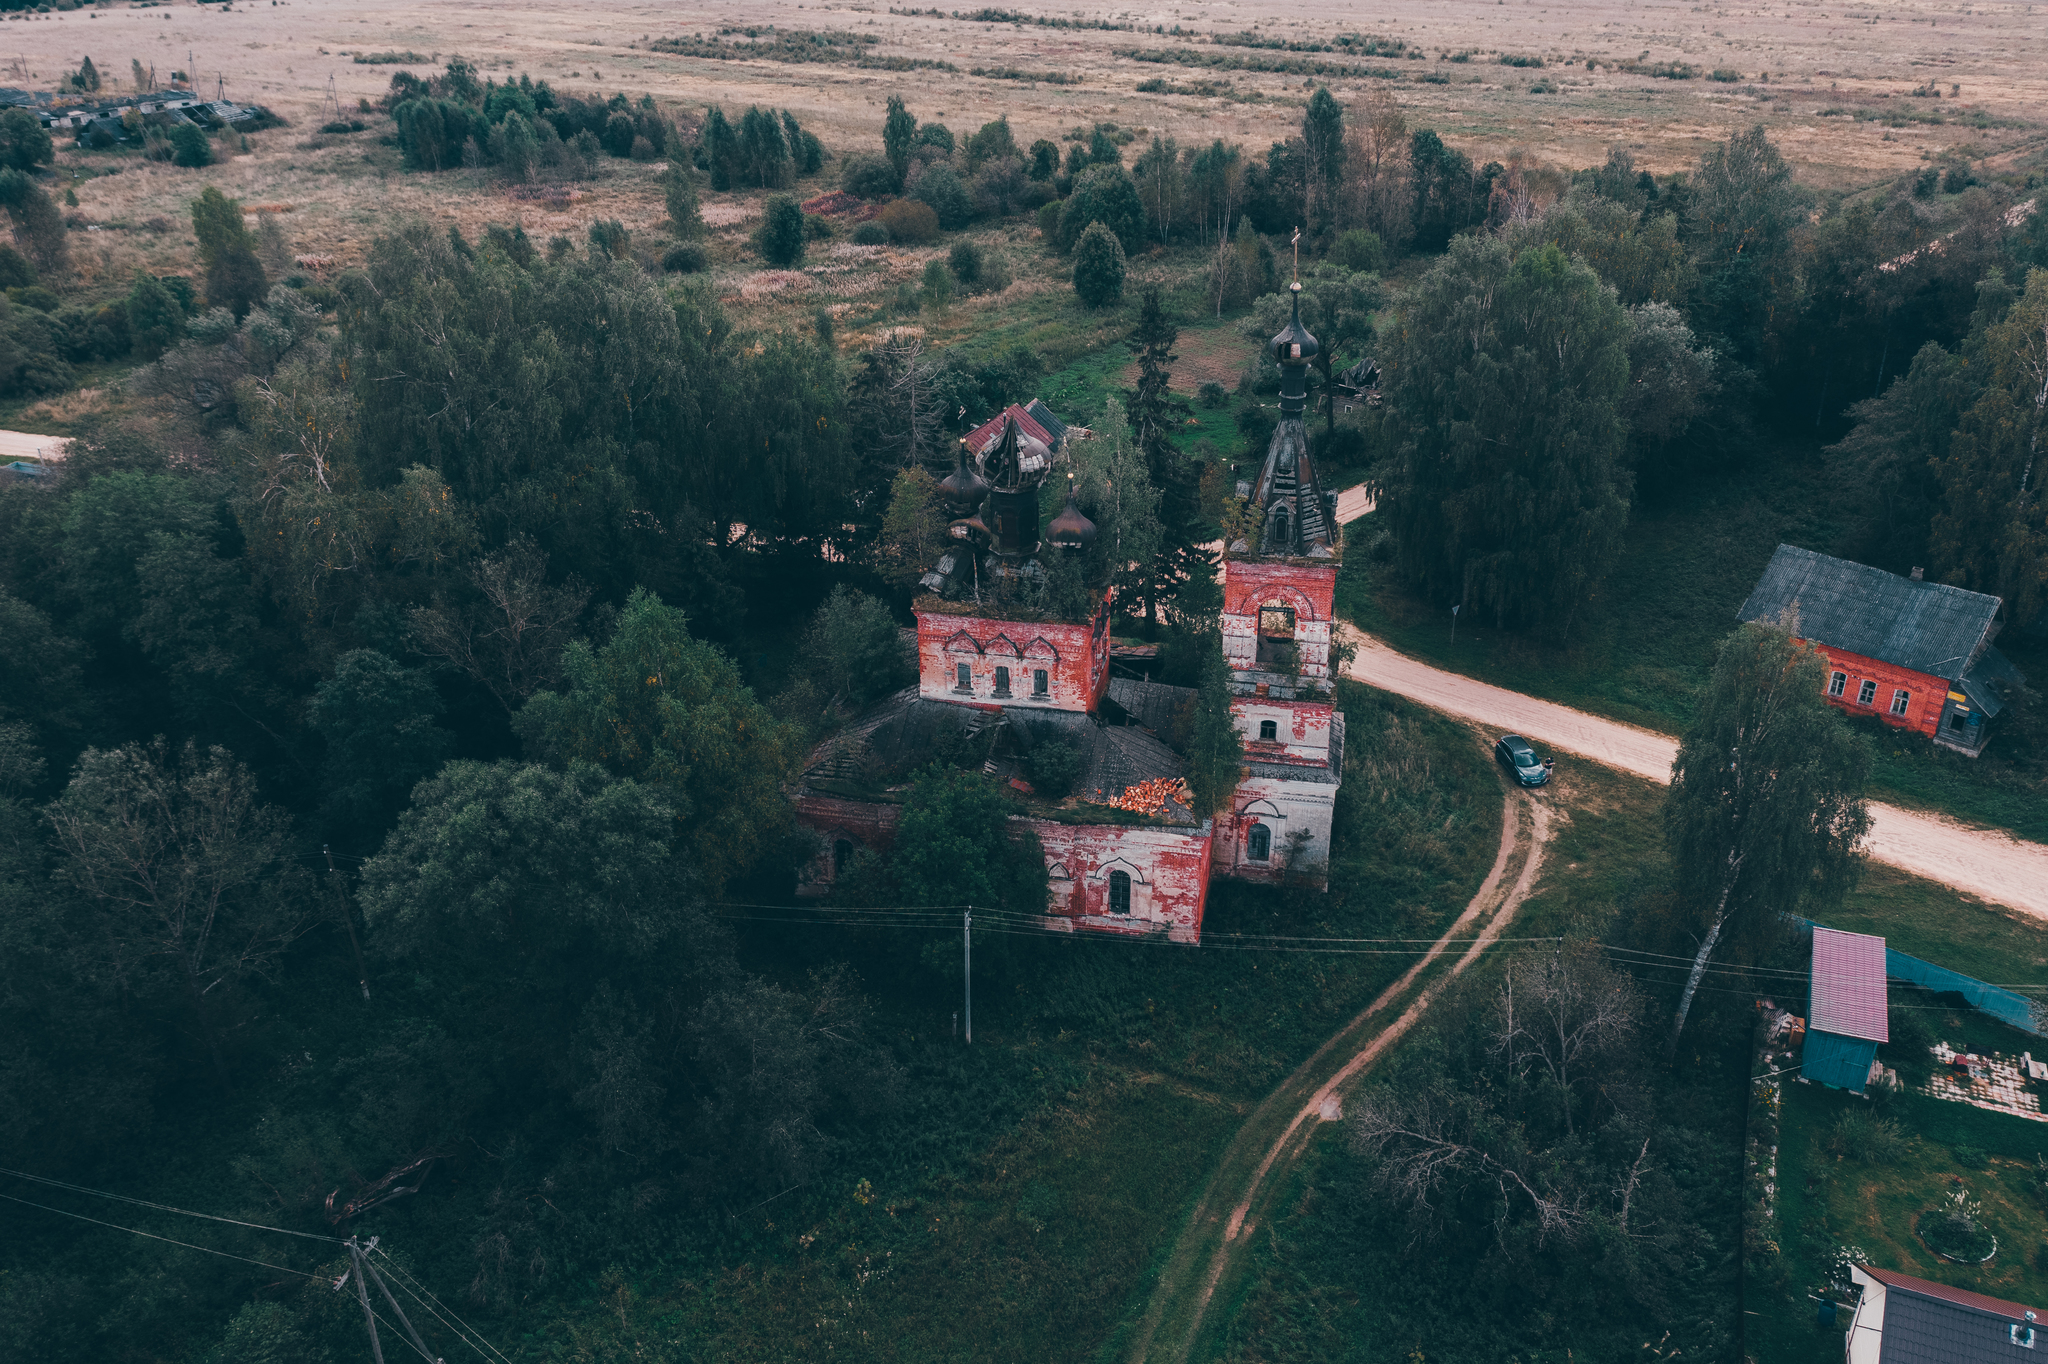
[[1915, 654]]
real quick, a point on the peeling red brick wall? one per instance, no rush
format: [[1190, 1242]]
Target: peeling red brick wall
[[1168, 867], [1301, 729], [1308, 588], [1074, 658], [870, 825]]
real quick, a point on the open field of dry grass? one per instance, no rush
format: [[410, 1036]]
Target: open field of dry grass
[[1805, 70]]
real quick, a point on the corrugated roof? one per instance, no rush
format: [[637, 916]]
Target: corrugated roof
[[1047, 422], [1931, 1323], [1928, 627], [991, 431], [1848, 997]]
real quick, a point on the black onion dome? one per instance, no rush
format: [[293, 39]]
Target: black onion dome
[[1070, 529], [1295, 335], [1016, 459], [963, 489]]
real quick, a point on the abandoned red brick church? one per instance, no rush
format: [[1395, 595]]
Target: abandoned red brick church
[[1125, 854]]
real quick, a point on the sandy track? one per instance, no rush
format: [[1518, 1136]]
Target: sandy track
[[1210, 1244], [1983, 862]]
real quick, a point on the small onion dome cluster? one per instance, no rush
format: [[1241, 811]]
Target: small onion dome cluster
[[964, 489], [1295, 345], [1070, 530]]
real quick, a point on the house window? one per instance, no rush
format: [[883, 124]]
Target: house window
[[964, 678], [1259, 844], [1866, 695], [1900, 700], [1836, 682], [842, 853], [1002, 681], [1955, 721], [1119, 892], [1041, 685], [1268, 731]]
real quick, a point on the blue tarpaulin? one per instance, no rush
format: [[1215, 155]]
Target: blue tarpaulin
[[2003, 1005]]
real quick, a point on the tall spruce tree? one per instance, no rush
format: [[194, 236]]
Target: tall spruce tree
[[1215, 748], [1154, 413], [1322, 138], [1766, 809], [718, 149], [899, 130]]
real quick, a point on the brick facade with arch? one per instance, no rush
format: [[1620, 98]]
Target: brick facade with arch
[[1004, 660]]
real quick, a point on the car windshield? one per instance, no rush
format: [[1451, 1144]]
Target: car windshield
[[1525, 758]]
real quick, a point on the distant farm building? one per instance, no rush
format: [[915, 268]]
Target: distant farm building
[[1915, 654]]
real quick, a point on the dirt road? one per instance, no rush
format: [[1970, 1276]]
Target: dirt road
[[1991, 865], [1983, 862], [1210, 1247]]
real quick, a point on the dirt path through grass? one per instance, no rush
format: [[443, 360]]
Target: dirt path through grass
[[1210, 1245], [1984, 862]]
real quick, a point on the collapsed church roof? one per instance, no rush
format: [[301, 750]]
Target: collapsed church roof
[[888, 743]]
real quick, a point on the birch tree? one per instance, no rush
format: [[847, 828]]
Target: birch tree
[[1765, 813]]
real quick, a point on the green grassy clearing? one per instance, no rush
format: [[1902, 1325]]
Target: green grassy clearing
[[1320, 1288], [1333, 1278], [1934, 923], [1826, 1198], [1645, 644]]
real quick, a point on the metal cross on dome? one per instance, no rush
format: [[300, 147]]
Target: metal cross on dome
[[1297, 255]]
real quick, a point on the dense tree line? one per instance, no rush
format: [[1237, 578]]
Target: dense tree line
[[523, 128]]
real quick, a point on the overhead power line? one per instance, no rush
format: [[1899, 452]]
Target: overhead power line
[[164, 1207], [132, 1231]]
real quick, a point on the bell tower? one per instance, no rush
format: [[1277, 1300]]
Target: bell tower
[[1279, 586]]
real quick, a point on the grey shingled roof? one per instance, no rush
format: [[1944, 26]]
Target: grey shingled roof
[[1928, 627], [1930, 1323], [1122, 757], [894, 737]]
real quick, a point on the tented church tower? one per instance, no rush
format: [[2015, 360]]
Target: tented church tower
[[1279, 581]]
